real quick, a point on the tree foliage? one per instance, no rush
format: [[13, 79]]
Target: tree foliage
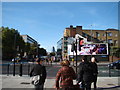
[[42, 52], [52, 54], [12, 43], [116, 51]]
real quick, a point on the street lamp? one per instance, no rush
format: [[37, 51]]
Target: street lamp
[[14, 56], [76, 55], [106, 37], [91, 33]]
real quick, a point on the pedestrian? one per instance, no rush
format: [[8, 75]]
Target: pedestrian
[[65, 75], [39, 69], [95, 71], [51, 61], [47, 61], [85, 74], [82, 84]]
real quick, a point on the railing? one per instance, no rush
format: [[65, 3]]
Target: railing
[[20, 68]]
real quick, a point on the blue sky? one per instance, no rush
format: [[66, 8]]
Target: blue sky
[[46, 21]]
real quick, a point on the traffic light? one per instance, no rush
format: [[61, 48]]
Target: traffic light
[[81, 41]]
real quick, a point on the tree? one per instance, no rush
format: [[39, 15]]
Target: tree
[[42, 52], [12, 43], [116, 51]]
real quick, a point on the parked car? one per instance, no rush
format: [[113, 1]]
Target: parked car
[[115, 65]]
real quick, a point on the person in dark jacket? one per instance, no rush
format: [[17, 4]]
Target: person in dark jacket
[[95, 71], [65, 75], [85, 74], [39, 69]]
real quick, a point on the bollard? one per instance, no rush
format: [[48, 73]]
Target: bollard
[[14, 67], [8, 69], [118, 72], [109, 72], [20, 73], [28, 68]]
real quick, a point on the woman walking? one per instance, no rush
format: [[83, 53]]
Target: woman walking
[[65, 75]]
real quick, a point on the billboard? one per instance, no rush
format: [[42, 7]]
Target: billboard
[[93, 49], [90, 49]]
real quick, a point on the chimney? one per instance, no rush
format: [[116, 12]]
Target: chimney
[[79, 30], [71, 26], [79, 27]]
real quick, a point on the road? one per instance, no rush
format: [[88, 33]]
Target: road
[[26, 67], [103, 69]]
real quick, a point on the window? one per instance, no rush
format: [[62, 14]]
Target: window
[[104, 34], [115, 42], [110, 41], [97, 34], [109, 34], [104, 41], [116, 35]]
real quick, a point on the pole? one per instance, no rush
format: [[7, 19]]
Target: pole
[[91, 33], [20, 73], [8, 69], [109, 72], [28, 69], [106, 37], [15, 55], [37, 49], [76, 56], [73, 57]]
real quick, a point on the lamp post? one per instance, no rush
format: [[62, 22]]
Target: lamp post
[[91, 33], [14, 56], [72, 50], [106, 37], [76, 55]]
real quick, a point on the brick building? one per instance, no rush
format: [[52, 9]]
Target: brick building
[[101, 36], [96, 36]]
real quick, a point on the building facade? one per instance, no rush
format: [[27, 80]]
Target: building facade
[[101, 36], [95, 36], [59, 49], [29, 39], [32, 42]]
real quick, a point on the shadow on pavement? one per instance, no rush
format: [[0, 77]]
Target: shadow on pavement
[[109, 88]]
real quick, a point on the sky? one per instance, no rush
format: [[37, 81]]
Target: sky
[[46, 21]]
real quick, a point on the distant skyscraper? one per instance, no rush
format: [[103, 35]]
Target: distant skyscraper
[[53, 49]]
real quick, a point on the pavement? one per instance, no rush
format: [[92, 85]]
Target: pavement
[[12, 82], [16, 82]]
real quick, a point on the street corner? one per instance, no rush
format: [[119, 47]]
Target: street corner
[[16, 82], [108, 83]]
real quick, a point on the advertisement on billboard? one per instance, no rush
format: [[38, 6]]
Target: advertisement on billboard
[[90, 49], [93, 49]]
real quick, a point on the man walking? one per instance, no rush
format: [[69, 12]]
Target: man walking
[[85, 73], [39, 69], [95, 71]]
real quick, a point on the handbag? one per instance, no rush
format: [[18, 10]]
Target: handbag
[[35, 80]]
